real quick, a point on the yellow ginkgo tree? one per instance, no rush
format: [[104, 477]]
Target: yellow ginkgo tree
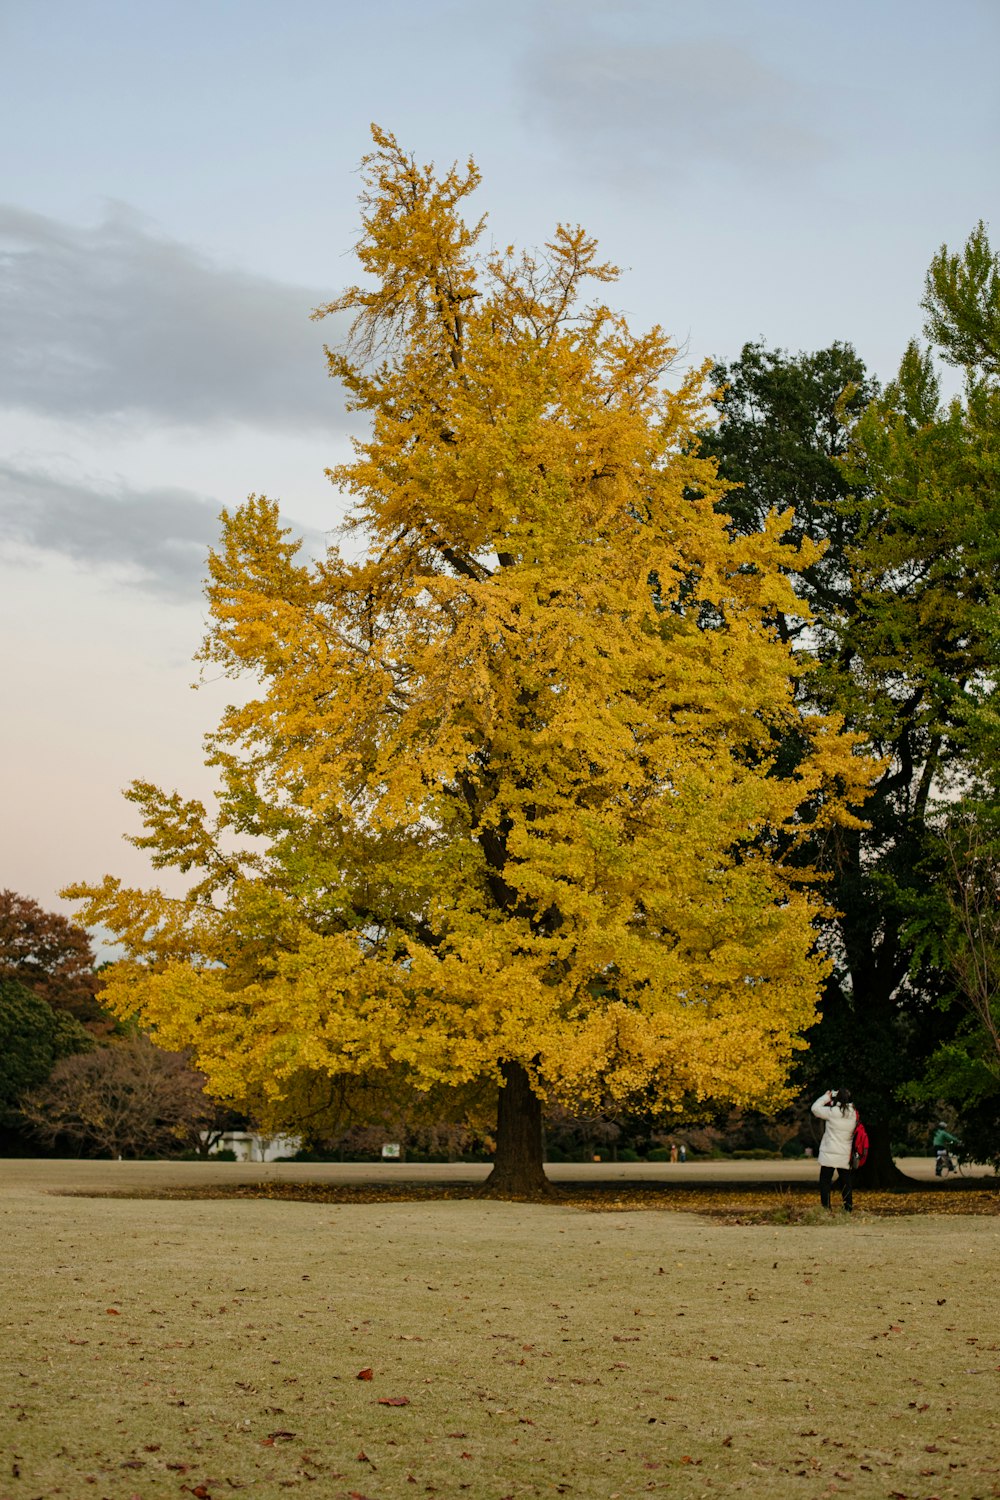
[[522, 788]]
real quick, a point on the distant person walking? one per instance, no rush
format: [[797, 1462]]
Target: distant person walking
[[841, 1117]]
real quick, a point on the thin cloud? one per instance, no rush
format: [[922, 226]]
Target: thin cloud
[[157, 539], [119, 320], [671, 108]]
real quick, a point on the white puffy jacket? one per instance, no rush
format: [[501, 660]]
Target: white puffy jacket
[[838, 1137]]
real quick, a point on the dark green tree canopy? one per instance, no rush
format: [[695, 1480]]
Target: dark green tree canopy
[[33, 1038], [784, 424], [962, 303], [900, 489]]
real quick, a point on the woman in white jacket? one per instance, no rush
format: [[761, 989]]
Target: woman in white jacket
[[835, 1148]]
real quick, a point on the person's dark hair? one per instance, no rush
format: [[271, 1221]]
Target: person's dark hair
[[843, 1098]]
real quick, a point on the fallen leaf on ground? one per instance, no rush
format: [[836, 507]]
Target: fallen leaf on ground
[[365, 1374]]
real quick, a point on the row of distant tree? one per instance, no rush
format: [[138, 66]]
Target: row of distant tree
[[71, 1078], [75, 1081]]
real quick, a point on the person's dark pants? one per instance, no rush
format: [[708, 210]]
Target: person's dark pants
[[843, 1182]]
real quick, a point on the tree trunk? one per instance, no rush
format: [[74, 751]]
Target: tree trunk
[[518, 1171], [880, 1172]]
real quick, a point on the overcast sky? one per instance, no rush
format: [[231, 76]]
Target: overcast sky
[[178, 185]]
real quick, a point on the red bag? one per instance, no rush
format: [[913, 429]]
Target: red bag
[[859, 1146]]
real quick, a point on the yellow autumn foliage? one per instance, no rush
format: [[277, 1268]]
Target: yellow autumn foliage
[[524, 778]]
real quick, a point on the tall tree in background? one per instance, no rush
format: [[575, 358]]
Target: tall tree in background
[[958, 942], [783, 429], [33, 1038], [960, 936], [901, 489], [962, 304], [49, 955], [48, 1004], [517, 781]]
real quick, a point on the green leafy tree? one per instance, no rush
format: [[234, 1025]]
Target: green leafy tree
[[959, 937], [891, 484], [962, 303], [968, 933], [33, 1038], [784, 424]]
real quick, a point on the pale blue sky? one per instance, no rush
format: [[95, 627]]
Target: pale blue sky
[[177, 189]]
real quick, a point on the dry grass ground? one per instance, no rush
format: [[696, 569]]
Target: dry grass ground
[[156, 1348]]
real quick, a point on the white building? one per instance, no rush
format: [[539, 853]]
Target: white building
[[250, 1145]]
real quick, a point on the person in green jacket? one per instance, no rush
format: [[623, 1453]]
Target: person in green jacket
[[943, 1142]]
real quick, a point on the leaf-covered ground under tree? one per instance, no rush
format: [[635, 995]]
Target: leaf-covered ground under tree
[[727, 1203]]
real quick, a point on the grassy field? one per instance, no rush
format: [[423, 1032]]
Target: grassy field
[[205, 1348]]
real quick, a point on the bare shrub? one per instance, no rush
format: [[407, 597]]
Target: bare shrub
[[126, 1099]]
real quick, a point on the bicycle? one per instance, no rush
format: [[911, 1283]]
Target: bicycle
[[948, 1164]]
